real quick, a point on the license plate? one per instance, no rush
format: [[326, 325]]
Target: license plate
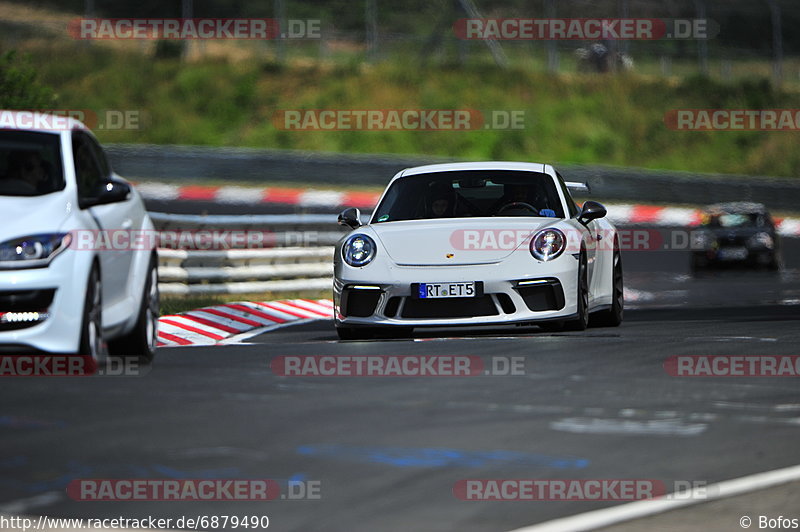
[[443, 290], [732, 253]]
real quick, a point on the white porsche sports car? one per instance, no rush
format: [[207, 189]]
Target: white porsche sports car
[[72, 280], [477, 244]]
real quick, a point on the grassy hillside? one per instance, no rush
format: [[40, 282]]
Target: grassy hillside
[[571, 118]]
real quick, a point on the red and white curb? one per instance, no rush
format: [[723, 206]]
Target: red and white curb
[[622, 214], [221, 324], [302, 197], [234, 322]]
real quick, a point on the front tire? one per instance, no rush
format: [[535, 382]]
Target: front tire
[[582, 321], [613, 316], [91, 344], [142, 341]]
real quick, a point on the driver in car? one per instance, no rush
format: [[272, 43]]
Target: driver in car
[[519, 194], [29, 168]]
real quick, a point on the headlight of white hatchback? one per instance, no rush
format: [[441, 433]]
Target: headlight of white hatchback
[[34, 251], [359, 250], [548, 244]]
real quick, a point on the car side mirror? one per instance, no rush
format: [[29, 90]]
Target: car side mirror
[[109, 191], [591, 211], [350, 217]]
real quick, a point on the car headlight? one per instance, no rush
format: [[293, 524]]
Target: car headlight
[[762, 240], [358, 250], [34, 251], [548, 244]]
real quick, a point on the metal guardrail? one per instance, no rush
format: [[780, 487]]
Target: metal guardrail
[[245, 270], [300, 256], [190, 163]]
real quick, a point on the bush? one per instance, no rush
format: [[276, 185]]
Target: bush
[[19, 86]]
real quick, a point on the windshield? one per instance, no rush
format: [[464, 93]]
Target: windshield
[[735, 220], [473, 193], [30, 163]]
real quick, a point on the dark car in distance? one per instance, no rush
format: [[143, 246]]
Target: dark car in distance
[[736, 234]]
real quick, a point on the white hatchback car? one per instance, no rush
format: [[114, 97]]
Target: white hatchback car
[[59, 291], [477, 244]]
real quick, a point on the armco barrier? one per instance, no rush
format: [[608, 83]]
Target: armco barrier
[[239, 271], [301, 259]]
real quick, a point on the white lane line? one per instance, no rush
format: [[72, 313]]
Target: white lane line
[[634, 510], [657, 427]]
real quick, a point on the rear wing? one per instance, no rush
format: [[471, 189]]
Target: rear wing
[[575, 186]]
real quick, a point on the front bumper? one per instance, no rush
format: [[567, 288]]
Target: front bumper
[[744, 256], [61, 289], [516, 290]]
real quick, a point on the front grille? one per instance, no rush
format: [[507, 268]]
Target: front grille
[[360, 303], [506, 304], [391, 307], [26, 300], [19, 301], [453, 307], [545, 296]]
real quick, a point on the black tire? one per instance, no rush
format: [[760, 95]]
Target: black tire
[[582, 321], [91, 344], [613, 316], [141, 342]]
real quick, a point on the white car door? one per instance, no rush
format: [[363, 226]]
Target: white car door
[[115, 220]]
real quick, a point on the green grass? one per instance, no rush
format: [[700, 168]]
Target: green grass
[[569, 118]]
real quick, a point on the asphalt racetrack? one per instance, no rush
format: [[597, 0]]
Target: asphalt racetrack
[[385, 453]]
